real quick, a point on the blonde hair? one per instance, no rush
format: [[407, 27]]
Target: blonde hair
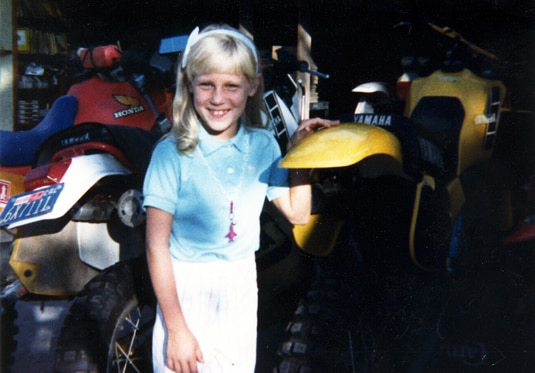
[[215, 52]]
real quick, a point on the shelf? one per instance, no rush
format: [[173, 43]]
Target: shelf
[[41, 30], [36, 41], [45, 13]]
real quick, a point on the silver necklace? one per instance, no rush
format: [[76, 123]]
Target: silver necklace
[[231, 235]]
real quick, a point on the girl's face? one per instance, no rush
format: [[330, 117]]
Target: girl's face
[[220, 100]]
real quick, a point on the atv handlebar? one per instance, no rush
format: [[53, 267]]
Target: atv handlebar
[[291, 64], [317, 73], [447, 31]]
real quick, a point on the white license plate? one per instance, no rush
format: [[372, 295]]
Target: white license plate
[[30, 205]]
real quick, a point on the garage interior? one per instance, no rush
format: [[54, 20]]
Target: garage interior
[[354, 41]]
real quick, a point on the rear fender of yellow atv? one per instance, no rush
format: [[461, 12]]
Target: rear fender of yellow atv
[[341, 146], [344, 145], [319, 236]]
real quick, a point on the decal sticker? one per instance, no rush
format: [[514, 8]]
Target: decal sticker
[[492, 115], [485, 118], [374, 119], [5, 192], [133, 104]]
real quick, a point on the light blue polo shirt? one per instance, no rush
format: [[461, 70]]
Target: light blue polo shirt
[[183, 186]]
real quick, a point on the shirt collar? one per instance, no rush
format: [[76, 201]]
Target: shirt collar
[[208, 144]]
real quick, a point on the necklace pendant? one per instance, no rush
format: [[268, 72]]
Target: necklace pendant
[[231, 235]]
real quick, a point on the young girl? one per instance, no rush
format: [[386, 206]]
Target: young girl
[[204, 192]]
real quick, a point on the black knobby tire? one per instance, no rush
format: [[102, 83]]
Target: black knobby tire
[[326, 334], [109, 325]]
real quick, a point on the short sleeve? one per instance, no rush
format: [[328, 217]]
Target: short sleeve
[[278, 180], [162, 180]]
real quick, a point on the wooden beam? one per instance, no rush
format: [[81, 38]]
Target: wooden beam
[[304, 49], [7, 61]]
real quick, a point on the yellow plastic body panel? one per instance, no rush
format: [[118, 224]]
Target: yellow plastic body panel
[[319, 236], [481, 115], [49, 264], [341, 146], [427, 182]]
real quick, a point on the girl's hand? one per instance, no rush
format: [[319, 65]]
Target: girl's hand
[[183, 352], [309, 126]]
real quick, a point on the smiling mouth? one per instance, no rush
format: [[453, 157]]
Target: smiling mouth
[[218, 113]]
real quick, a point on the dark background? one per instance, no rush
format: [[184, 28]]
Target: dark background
[[354, 41]]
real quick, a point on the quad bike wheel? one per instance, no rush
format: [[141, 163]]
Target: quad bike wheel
[[326, 334], [8, 331], [109, 325]]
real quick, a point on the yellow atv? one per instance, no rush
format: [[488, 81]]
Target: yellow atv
[[394, 194]]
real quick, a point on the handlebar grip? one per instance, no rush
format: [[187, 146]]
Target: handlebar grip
[[318, 74], [481, 50]]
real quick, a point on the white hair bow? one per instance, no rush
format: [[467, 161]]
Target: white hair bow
[[195, 36], [192, 39]]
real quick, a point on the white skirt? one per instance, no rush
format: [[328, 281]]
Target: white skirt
[[219, 301]]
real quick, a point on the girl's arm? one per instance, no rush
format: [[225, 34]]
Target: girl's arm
[[183, 351], [297, 203]]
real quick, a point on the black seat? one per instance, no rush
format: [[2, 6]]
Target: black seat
[[135, 143], [438, 121]]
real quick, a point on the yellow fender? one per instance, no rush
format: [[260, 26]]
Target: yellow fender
[[427, 182], [341, 146], [319, 236], [456, 200]]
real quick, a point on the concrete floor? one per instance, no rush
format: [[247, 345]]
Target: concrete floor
[[40, 322]]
